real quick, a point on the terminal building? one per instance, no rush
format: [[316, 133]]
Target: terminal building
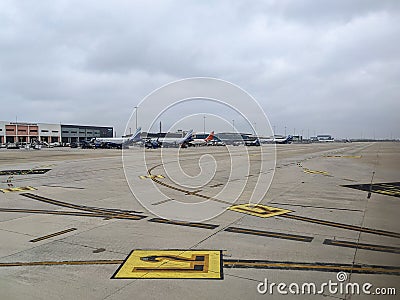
[[21, 132]]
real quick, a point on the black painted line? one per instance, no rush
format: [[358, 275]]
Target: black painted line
[[70, 213], [182, 190], [193, 193], [24, 172], [108, 212], [344, 226], [65, 187], [271, 234], [52, 235], [371, 247], [216, 185], [312, 206], [162, 201], [181, 223], [301, 266], [383, 188]]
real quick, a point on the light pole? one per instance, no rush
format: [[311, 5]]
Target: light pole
[[285, 130], [136, 108], [16, 129], [204, 124]]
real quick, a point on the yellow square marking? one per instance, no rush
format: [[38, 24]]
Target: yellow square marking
[[308, 171], [259, 210], [171, 264], [18, 189]]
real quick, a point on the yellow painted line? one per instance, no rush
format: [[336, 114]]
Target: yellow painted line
[[344, 226], [170, 264], [151, 176], [182, 223], [278, 235], [182, 263], [106, 212], [363, 246], [18, 189], [72, 213], [52, 235], [387, 192], [24, 172], [312, 267], [182, 190], [259, 210], [59, 263]]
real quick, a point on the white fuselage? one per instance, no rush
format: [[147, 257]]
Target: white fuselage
[[171, 141], [198, 142], [121, 140], [112, 140]]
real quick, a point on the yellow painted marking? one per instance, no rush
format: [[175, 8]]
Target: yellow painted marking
[[58, 263], [18, 189], [387, 192], [185, 264], [308, 171], [259, 210], [151, 176]]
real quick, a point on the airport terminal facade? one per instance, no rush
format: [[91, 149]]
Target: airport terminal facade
[[23, 132]]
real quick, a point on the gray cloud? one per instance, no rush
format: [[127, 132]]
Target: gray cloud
[[328, 66]]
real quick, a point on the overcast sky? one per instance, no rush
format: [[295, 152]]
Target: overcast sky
[[317, 66]]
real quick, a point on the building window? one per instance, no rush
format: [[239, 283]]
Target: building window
[[54, 131], [44, 130], [64, 131], [9, 129], [74, 132]]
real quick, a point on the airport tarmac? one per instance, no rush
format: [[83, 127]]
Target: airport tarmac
[[97, 224]]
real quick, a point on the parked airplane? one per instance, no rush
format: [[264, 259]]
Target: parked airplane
[[202, 142], [283, 139], [255, 142], [278, 139], [117, 142], [170, 142]]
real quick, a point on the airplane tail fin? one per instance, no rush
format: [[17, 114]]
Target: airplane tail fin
[[135, 137], [188, 136], [210, 137]]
